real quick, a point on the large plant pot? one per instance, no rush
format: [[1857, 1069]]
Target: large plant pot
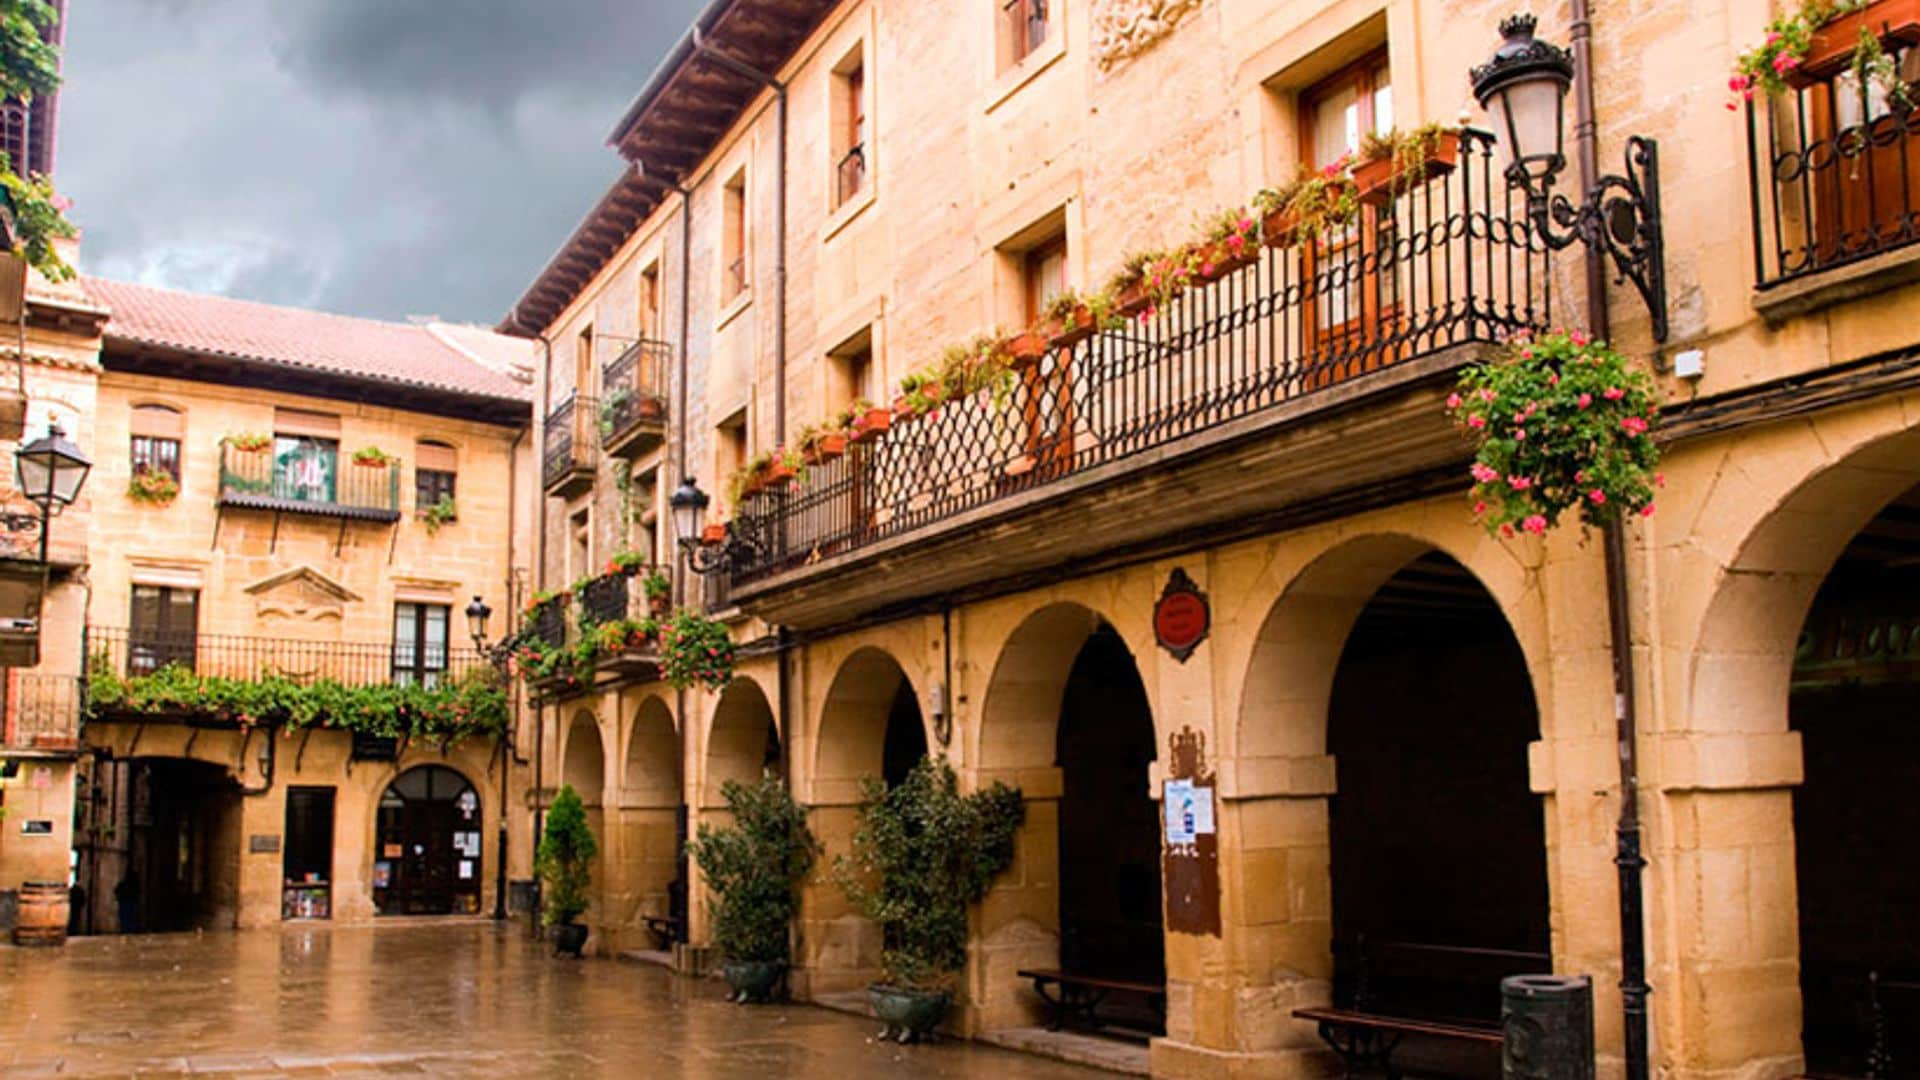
[[908, 1015], [755, 982], [568, 939]]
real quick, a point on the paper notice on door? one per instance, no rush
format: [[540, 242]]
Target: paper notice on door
[[1202, 811], [1176, 798], [466, 869]]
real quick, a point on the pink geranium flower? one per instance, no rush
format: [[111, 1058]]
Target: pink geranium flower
[[1537, 524], [1598, 497]]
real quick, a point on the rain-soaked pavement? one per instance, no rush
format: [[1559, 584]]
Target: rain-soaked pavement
[[451, 999]]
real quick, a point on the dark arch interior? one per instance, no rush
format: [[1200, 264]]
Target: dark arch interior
[[1855, 702], [428, 858], [183, 857], [906, 739], [1109, 826], [1437, 839]]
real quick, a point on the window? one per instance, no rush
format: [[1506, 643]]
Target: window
[[580, 548], [730, 446], [644, 514], [733, 237], [649, 320], [163, 628], [1024, 28], [583, 361], [851, 370], [849, 137], [433, 473], [1359, 293], [1044, 276], [419, 644], [156, 431], [305, 469]]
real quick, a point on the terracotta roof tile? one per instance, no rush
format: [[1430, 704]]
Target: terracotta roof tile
[[317, 341]]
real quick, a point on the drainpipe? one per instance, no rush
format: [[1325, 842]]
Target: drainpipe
[[1627, 854], [539, 582], [680, 381], [779, 89], [507, 749]]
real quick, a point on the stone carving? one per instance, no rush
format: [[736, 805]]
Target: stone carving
[[1123, 29], [302, 594]]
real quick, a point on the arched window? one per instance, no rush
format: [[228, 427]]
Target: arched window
[[157, 431], [434, 467], [428, 858]]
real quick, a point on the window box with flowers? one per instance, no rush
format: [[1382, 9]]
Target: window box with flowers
[[866, 422], [627, 563], [1073, 317], [155, 487], [1397, 162], [1823, 38], [372, 457], [1232, 241], [1559, 422], [249, 442], [821, 445], [1315, 202], [439, 515]]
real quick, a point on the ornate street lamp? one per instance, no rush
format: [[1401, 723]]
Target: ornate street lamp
[[1523, 88], [477, 615], [689, 506], [50, 472]]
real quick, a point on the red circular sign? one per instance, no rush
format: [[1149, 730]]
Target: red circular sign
[[1180, 621]]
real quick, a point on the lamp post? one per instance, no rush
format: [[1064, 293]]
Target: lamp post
[[478, 613], [689, 506], [1523, 88], [49, 472]]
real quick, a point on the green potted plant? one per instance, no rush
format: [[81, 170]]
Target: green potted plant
[[922, 855], [659, 590], [627, 563], [819, 445], [564, 861], [1231, 241], [439, 514], [155, 487], [754, 868], [866, 422], [1397, 162], [372, 457], [921, 392], [1313, 202], [1822, 38], [1072, 317]]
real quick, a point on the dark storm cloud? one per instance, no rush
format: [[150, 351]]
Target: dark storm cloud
[[377, 157]]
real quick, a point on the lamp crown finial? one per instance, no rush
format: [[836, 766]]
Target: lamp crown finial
[[1518, 25]]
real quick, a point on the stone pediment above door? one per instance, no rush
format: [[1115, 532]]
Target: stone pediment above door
[[300, 595]]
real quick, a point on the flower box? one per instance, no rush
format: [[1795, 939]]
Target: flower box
[[652, 408], [1218, 259], [825, 447], [1830, 50], [1064, 334], [1027, 348], [901, 407], [776, 477], [1133, 300], [714, 533], [872, 424], [1377, 179], [1281, 228]]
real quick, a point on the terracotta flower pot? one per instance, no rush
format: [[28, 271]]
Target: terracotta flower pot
[[776, 476], [872, 424], [1132, 300], [1375, 177], [1027, 348], [901, 408], [1280, 228], [1218, 259], [826, 447], [715, 533], [1066, 333], [1830, 50]]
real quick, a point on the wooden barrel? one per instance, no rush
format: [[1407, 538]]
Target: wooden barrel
[[43, 914]]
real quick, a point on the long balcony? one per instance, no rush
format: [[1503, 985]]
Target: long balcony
[[41, 714], [572, 449], [320, 485], [130, 654], [1834, 173], [633, 399], [1312, 378]]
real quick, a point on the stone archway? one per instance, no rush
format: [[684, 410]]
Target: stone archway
[[1060, 666], [583, 762], [870, 726], [743, 741], [646, 876]]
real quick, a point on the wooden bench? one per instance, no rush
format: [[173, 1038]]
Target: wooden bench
[[1077, 998], [1397, 990]]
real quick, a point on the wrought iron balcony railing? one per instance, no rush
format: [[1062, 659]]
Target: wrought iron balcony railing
[[326, 486], [1834, 177], [616, 596], [130, 653], [1452, 262], [42, 712], [633, 397], [571, 452]]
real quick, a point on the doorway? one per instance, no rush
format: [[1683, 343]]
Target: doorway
[[183, 864], [428, 856], [306, 890]]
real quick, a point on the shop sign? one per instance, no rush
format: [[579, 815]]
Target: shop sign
[[263, 844], [1181, 617]]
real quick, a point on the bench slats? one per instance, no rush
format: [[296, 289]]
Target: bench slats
[[1346, 1018]]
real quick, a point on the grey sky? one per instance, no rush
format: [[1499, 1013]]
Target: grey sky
[[372, 157]]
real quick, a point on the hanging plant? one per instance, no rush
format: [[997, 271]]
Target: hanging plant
[[695, 650], [1560, 421], [439, 514], [1397, 162], [39, 218], [1312, 203], [156, 487]]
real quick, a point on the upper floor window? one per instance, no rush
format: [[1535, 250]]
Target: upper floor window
[[433, 474], [649, 316], [163, 628], [419, 644], [849, 136], [583, 361], [156, 431], [1044, 276], [733, 237], [1024, 28], [306, 455]]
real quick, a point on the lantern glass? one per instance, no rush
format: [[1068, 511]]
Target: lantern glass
[[1527, 114], [689, 505], [477, 615], [50, 470]]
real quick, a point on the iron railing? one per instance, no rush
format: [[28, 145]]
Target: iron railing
[[132, 653], [633, 389], [1451, 262], [1833, 175], [42, 712], [850, 175], [616, 596], [570, 445], [260, 480], [549, 622]]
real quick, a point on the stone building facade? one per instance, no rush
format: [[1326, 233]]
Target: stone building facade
[[1407, 726]]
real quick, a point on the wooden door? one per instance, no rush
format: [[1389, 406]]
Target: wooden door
[[1866, 170], [1048, 396], [426, 870], [1354, 298]]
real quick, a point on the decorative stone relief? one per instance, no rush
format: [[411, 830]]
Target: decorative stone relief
[[302, 594], [1123, 29]]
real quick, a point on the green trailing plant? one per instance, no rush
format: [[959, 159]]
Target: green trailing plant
[[373, 456], [1409, 152], [1313, 202], [1559, 422], [922, 854], [979, 364], [564, 859], [620, 635], [656, 585], [1075, 310], [39, 218], [249, 442], [472, 704], [696, 650], [439, 514], [29, 65], [153, 486], [1789, 38], [923, 391], [754, 868], [626, 562], [610, 407], [536, 661]]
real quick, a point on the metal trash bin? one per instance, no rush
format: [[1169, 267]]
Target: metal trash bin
[[1548, 1025]]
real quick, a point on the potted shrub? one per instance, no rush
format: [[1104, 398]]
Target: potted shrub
[[922, 855], [1558, 422], [1232, 241], [1397, 162], [753, 869], [563, 862], [372, 457], [155, 487], [659, 590]]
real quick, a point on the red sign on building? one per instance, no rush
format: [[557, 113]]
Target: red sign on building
[[1181, 617]]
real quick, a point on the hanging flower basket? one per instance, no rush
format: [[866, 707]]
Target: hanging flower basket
[[1559, 422]]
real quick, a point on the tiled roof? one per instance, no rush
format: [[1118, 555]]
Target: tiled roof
[[358, 349]]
